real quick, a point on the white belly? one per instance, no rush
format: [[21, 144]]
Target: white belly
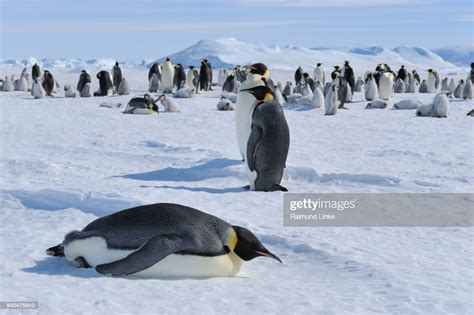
[[94, 250], [385, 88], [167, 77], [431, 83], [243, 120]]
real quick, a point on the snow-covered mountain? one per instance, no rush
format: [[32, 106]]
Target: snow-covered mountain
[[228, 52], [461, 56]]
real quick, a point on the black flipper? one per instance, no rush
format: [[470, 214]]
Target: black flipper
[[252, 143], [154, 250]]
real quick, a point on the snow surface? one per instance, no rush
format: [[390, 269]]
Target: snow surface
[[66, 162]]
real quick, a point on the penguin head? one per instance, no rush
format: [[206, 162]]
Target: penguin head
[[472, 65], [346, 63], [191, 67], [116, 63], [318, 65], [430, 70], [261, 93], [259, 68], [168, 59], [249, 247]]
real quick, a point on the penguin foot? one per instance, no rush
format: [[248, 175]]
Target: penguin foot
[[276, 187], [82, 262]]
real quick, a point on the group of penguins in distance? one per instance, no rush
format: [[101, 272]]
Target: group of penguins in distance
[[172, 240]]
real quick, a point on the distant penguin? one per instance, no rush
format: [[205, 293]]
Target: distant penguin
[[106, 87], [444, 84], [179, 76], [335, 73], [237, 86], [467, 90], [22, 84], [407, 104], [349, 75], [229, 83], [433, 81], [240, 74], [371, 91], [306, 98], [386, 86], [318, 97], [162, 240], [279, 96], [123, 88], [84, 78], [471, 73], [167, 75], [279, 86], [287, 90], [221, 76], [37, 89], [416, 76], [48, 82], [7, 85], [141, 106], [225, 104], [35, 71], [344, 93], [414, 86], [69, 91], [299, 79], [204, 77], [326, 89], [154, 69], [116, 76], [154, 84], [452, 86], [209, 66], [86, 90], [309, 81], [319, 75], [423, 87], [399, 86], [458, 91], [169, 104], [331, 101], [185, 92], [268, 142], [376, 104], [402, 73], [359, 85], [192, 79]]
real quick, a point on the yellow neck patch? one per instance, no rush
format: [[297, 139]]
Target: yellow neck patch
[[268, 97], [231, 240]]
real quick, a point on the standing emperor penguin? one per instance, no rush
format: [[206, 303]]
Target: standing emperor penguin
[[161, 240], [116, 76], [167, 75], [106, 87], [179, 76], [123, 88], [319, 75], [35, 71], [309, 81], [299, 76], [258, 75], [154, 69], [268, 142], [229, 83], [205, 77], [386, 85], [402, 73], [192, 78], [423, 87], [318, 97], [445, 84], [467, 91], [359, 85], [48, 82], [349, 76], [209, 66], [399, 86], [433, 81], [84, 78], [371, 91]]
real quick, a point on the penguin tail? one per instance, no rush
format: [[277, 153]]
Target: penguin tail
[[56, 251]]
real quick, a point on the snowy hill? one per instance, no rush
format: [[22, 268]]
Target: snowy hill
[[461, 56], [227, 52]]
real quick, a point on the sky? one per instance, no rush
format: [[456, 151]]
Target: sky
[[138, 29]]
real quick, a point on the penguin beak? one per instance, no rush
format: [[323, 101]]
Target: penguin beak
[[264, 252]]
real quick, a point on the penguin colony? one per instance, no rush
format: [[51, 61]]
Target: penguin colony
[[171, 240]]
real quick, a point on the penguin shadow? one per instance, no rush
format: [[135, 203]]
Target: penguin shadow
[[60, 267], [216, 168]]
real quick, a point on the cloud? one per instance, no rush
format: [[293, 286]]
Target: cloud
[[327, 3]]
